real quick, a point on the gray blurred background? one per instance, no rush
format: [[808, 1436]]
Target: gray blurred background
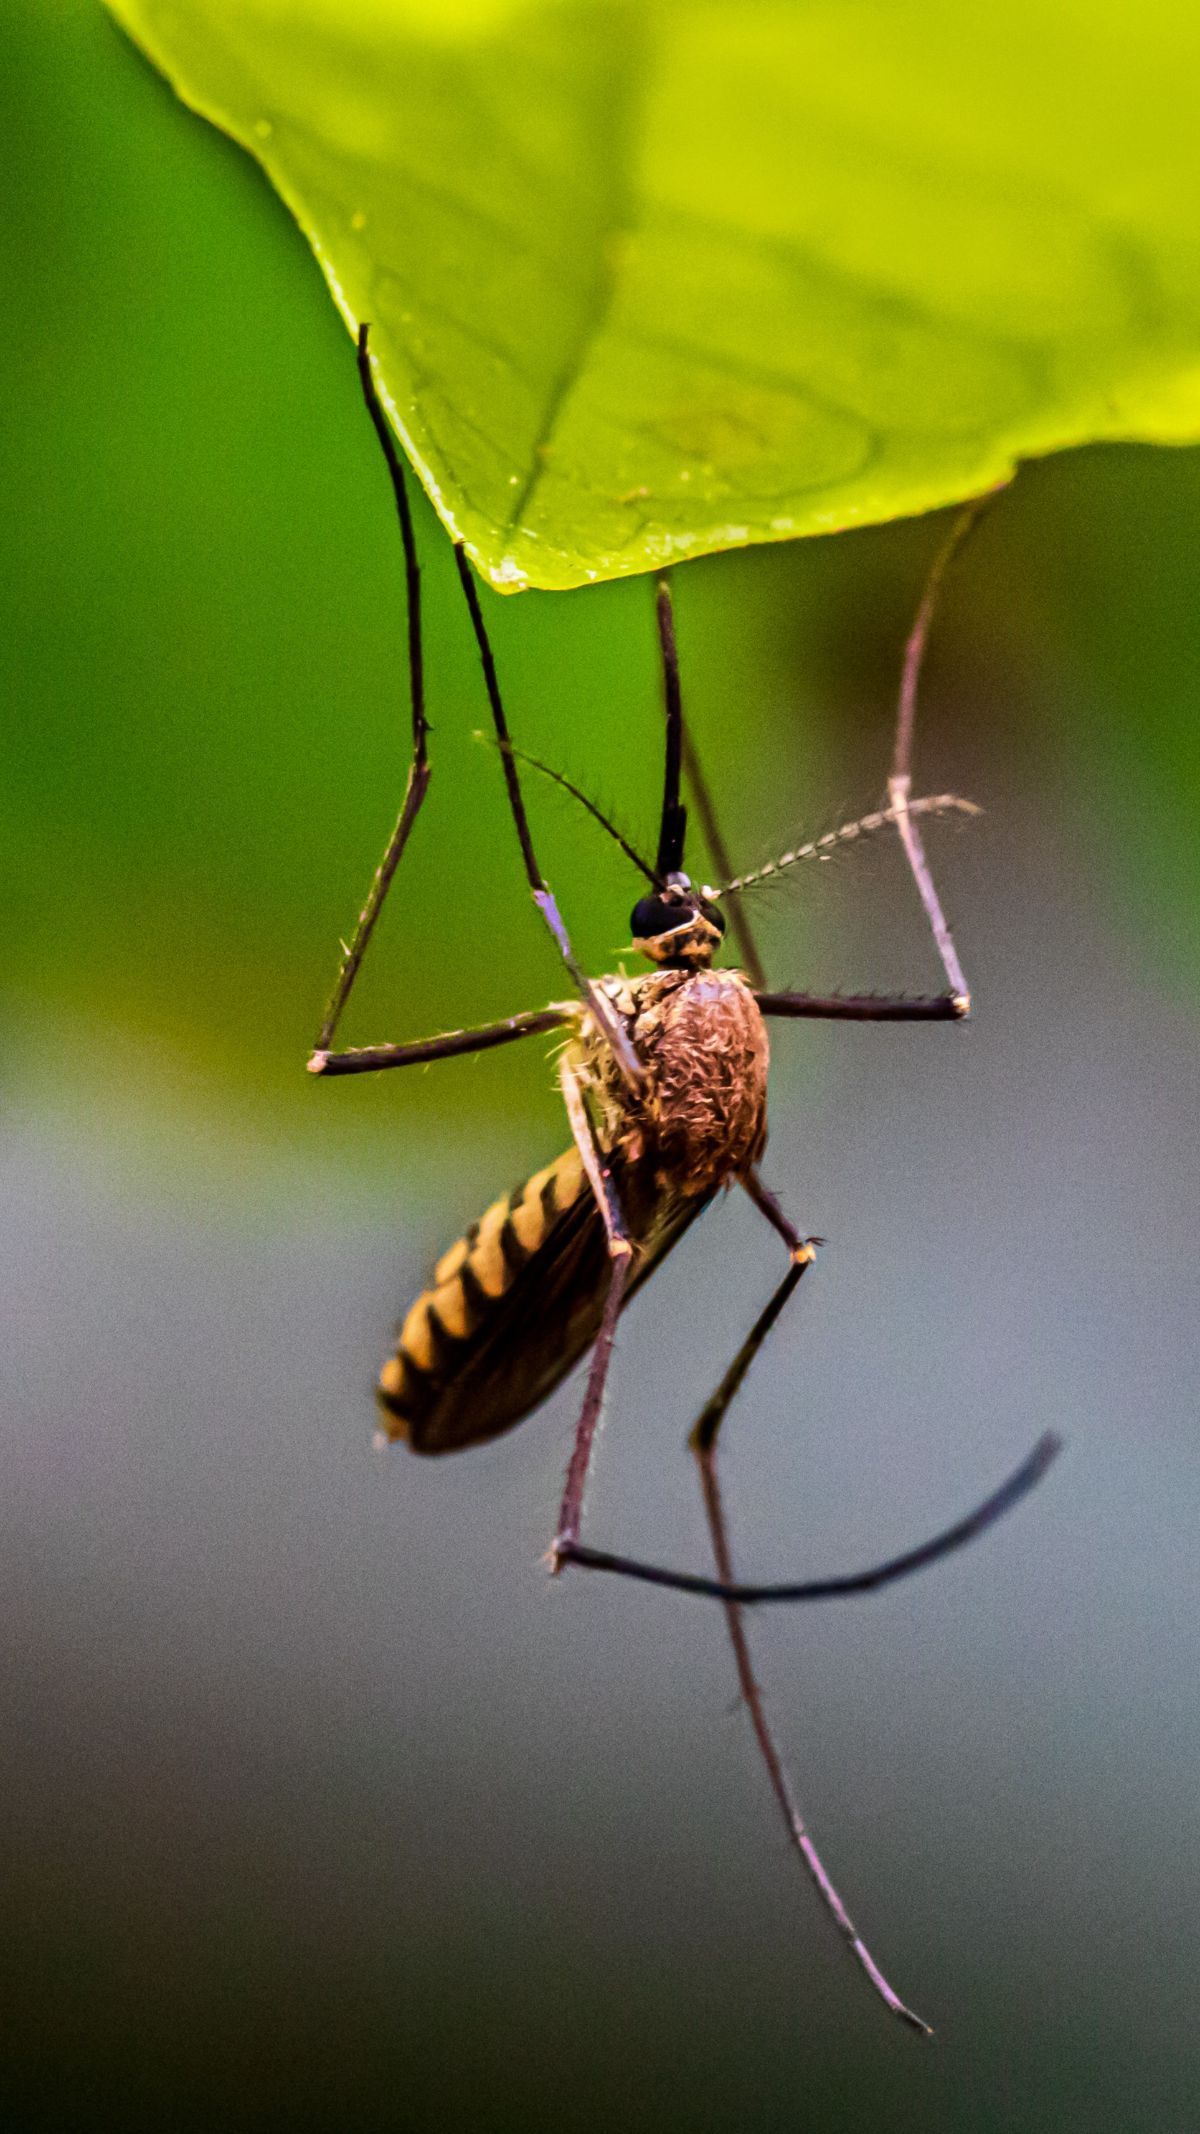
[[322, 1809]]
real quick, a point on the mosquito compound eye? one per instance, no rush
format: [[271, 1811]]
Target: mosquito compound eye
[[654, 915], [714, 917]]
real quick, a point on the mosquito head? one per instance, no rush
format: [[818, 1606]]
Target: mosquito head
[[678, 926]]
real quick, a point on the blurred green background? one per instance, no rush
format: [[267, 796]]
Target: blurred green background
[[321, 1810]]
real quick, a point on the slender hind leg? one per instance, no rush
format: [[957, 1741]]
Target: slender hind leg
[[735, 1596], [703, 1443], [569, 1549], [419, 770]]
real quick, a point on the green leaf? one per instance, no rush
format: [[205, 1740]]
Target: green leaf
[[647, 280]]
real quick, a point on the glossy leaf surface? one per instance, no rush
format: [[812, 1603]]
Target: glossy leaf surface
[[647, 281]]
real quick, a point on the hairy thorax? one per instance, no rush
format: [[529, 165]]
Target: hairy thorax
[[701, 1117]]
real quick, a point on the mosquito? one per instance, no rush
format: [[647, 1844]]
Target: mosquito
[[664, 1080]]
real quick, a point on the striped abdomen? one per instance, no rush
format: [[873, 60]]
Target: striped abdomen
[[512, 1306]]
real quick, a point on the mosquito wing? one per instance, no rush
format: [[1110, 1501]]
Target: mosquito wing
[[515, 1303]]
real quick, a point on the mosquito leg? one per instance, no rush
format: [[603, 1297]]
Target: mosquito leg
[[602, 1009], [419, 769], [900, 781], [866, 1007], [976, 1522], [568, 1547], [704, 1447], [620, 1251], [684, 749], [367, 1059], [704, 1436], [766, 1203], [703, 1443]]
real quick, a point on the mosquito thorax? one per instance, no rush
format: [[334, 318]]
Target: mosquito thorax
[[678, 927]]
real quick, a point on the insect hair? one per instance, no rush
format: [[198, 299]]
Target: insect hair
[[832, 842]]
